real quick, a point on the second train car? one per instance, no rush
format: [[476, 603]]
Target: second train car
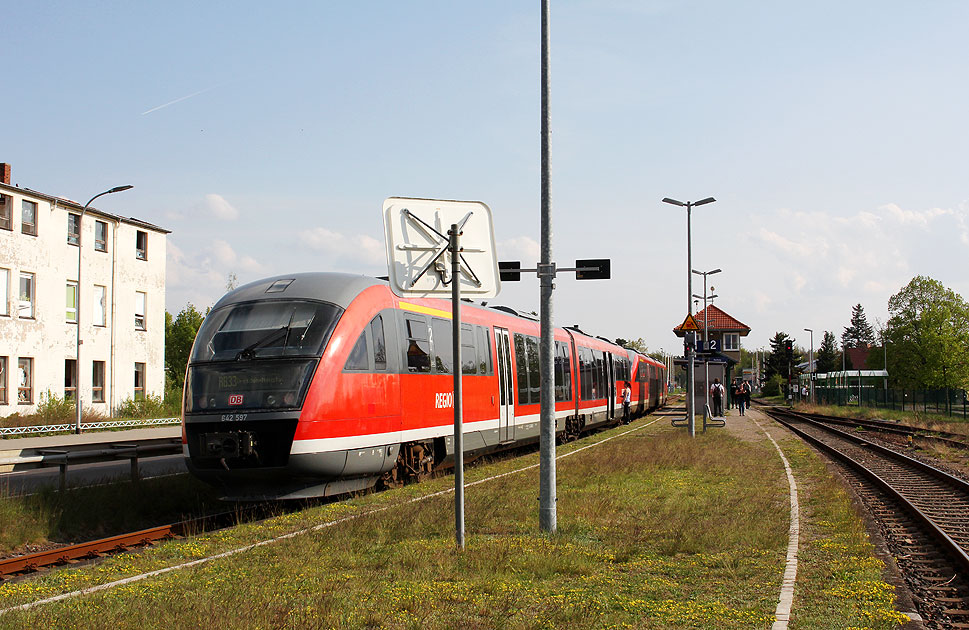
[[324, 383]]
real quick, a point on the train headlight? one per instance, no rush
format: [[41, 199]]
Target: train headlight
[[271, 400]]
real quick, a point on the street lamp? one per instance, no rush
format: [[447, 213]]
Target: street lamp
[[77, 305], [811, 363], [690, 411], [706, 336]]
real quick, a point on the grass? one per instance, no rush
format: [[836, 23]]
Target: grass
[[94, 512], [930, 421], [655, 530]]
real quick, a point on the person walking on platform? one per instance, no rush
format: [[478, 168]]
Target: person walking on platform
[[743, 397], [717, 392], [627, 394]]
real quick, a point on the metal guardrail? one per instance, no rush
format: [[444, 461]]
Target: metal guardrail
[[69, 428], [62, 456]]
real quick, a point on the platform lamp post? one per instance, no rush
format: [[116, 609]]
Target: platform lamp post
[[77, 305], [690, 410], [811, 363], [706, 336]]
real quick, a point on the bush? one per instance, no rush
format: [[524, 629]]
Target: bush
[[773, 387], [151, 406], [55, 410]]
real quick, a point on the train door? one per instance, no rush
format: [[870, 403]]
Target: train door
[[641, 376], [506, 396], [610, 384]]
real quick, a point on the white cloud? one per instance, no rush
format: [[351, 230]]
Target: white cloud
[[217, 206], [522, 248], [355, 248]]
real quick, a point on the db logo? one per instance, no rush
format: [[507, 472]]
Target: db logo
[[235, 399]]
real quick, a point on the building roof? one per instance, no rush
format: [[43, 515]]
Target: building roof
[[719, 321], [70, 204]]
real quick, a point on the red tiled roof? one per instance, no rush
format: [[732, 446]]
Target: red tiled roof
[[719, 320]]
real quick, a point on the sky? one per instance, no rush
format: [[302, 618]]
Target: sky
[[266, 137]]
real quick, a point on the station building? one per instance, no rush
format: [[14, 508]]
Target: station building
[[122, 303], [721, 348]]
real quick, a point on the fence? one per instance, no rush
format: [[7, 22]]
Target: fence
[[950, 402], [86, 426]]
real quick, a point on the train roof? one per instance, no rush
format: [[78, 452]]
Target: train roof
[[333, 287], [341, 289]]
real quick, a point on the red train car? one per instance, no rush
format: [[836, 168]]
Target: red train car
[[323, 383]]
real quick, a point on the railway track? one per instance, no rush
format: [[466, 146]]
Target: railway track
[[16, 566], [914, 435], [923, 513]]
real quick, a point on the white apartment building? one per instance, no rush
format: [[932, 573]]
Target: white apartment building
[[122, 303]]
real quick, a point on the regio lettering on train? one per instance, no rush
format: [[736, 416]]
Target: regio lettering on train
[[444, 400]]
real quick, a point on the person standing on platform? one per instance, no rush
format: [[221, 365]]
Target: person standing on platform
[[627, 396], [717, 392], [743, 397]]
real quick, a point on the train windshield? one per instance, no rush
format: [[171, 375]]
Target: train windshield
[[261, 330]]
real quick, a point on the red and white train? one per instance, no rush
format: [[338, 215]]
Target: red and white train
[[323, 383]]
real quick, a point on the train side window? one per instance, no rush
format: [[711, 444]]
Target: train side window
[[469, 358], [379, 345], [443, 349], [418, 349], [359, 355], [534, 370], [521, 369], [563, 373], [586, 367], [484, 350]]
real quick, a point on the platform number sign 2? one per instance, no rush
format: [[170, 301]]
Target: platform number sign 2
[[713, 345]]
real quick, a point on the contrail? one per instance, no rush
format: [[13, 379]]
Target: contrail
[[178, 100]]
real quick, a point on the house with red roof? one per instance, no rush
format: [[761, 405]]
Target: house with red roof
[[721, 327]]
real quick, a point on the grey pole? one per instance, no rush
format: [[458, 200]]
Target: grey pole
[[706, 338], [77, 306], [690, 385], [690, 353], [546, 510], [811, 365], [458, 407]]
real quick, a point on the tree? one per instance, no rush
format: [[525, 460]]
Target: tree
[[859, 333], [180, 334], [777, 361], [639, 345], [827, 358], [928, 334]]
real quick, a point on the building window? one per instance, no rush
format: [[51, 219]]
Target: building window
[[25, 382], [139, 381], [6, 221], [731, 342], [70, 378], [3, 380], [140, 299], [97, 382], [4, 291], [28, 221], [100, 299], [101, 236], [72, 302], [73, 229], [26, 306], [141, 245]]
